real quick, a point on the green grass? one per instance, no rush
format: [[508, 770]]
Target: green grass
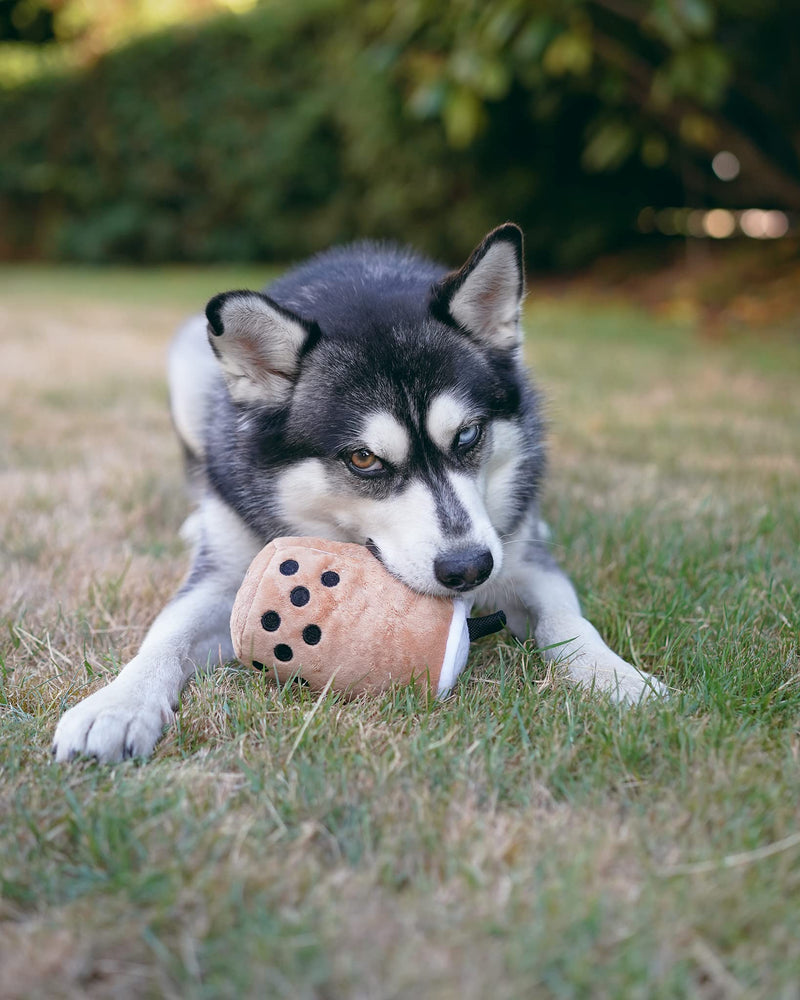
[[519, 840]]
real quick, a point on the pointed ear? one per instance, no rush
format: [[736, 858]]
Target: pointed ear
[[485, 296], [258, 344]]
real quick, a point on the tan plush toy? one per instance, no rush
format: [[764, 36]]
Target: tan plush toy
[[325, 611]]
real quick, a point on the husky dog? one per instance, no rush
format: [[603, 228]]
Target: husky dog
[[369, 397]]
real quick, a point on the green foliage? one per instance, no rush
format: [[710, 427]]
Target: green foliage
[[271, 134], [157, 151], [26, 20]]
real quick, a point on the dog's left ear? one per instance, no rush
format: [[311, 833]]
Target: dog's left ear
[[483, 298], [258, 344]]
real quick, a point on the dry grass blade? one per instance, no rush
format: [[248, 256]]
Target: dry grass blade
[[310, 716], [733, 860]]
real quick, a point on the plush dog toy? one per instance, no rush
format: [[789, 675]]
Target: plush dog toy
[[330, 613]]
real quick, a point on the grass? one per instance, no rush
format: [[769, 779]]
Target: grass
[[521, 839]]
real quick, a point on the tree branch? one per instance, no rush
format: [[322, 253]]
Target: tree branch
[[768, 180]]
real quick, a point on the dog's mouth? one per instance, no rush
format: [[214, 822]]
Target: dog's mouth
[[460, 581]]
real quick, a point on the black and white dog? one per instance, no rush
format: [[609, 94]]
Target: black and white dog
[[370, 397]]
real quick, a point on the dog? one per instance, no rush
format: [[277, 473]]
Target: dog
[[368, 396]]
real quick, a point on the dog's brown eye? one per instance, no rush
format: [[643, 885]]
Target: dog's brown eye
[[365, 461]]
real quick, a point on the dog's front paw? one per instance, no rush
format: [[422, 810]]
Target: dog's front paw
[[111, 725], [605, 671]]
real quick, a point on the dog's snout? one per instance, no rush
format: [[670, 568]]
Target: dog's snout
[[464, 568]]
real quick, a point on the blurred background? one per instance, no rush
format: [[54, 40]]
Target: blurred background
[[633, 133]]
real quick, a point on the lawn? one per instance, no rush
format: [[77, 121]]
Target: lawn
[[520, 839]]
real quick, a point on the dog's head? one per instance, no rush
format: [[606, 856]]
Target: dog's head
[[404, 428]]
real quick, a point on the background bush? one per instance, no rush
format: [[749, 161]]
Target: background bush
[[272, 134]]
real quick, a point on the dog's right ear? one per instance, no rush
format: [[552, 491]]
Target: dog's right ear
[[258, 344], [483, 298]]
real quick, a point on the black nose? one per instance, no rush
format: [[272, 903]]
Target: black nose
[[463, 569]]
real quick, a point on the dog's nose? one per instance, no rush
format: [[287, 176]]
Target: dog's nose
[[464, 568]]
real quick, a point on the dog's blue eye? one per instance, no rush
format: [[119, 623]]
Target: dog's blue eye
[[467, 437]]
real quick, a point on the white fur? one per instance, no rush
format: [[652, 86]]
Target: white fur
[[446, 415], [501, 470], [488, 302], [483, 534], [386, 437], [309, 502], [191, 369]]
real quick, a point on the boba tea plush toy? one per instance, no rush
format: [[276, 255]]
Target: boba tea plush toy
[[329, 613]]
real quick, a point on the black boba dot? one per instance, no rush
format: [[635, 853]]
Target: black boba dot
[[312, 634], [283, 652], [270, 621], [329, 578], [300, 597], [289, 567], [257, 665]]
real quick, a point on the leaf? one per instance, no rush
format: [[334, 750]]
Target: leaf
[[485, 75], [696, 15], [654, 150], [464, 117], [494, 79], [611, 144], [677, 21], [427, 100], [569, 52], [700, 71], [698, 130], [502, 24], [533, 39]]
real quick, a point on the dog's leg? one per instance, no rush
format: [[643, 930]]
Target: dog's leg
[[547, 607], [126, 718]]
